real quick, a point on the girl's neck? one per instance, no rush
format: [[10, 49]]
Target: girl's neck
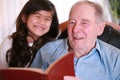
[[30, 39]]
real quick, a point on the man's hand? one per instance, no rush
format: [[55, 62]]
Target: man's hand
[[71, 78]]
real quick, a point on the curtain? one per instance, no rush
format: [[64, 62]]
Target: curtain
[[9, 10]]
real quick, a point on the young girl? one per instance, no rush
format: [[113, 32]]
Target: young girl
[[36, 25]]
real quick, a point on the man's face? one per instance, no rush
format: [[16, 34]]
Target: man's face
[[82, 29]]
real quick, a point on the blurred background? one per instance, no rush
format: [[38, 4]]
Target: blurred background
[[9, 10]]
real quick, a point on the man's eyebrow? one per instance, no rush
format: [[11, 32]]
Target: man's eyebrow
[[85, 20]]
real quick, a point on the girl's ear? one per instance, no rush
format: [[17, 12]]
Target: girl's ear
[[101, 28], [23, 18]]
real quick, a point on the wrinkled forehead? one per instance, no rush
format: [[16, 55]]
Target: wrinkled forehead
[[83, 10], [94, 7], [83, 6]]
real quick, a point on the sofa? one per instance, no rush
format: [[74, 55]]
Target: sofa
[[110, 35]]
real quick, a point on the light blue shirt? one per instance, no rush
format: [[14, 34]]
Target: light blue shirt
[[99, 64], [49, 53], [102, 63]]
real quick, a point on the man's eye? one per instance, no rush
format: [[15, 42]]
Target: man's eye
[[84, 23], [72, 22]]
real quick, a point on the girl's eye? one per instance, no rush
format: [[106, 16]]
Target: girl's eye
[[36, 16], [48, 20]]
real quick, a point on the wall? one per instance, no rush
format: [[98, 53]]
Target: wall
[[9, 9], [63, 8]]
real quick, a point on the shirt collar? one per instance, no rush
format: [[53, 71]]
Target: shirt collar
[[98, 49], [94, 51]]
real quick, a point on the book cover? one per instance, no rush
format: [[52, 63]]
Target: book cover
[[56, 71]]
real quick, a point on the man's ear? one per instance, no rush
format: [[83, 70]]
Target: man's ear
[[24, 18], [101, 28]]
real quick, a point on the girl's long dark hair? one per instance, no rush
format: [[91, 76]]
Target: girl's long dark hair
[[20, 53]]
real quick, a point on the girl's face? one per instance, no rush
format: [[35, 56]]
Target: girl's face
[[38, 23]]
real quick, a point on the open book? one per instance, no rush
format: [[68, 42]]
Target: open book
[[56, 71]]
